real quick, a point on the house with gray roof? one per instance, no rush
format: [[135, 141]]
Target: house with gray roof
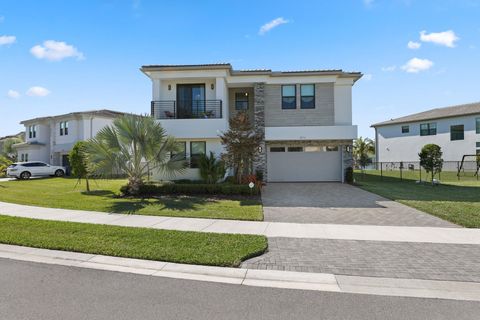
[[50, 139], [456, 129]]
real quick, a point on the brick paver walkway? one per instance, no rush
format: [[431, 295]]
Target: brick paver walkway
[[457, 262], [338, 203]]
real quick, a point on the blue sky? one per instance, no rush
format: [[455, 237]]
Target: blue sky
[[63, 56]]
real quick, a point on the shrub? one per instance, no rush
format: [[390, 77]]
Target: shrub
[[349, 175], [211, 168], [196, 189]]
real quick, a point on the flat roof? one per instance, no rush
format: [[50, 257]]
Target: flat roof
[[228, 66], [437, 113]]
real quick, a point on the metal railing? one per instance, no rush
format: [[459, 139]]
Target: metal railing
[[186, 109], [411, 170]]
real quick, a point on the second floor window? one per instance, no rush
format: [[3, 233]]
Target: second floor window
[[405, 129], [456, 132], [289, 99], [32, 131], [307, 96], [428, 129], [477, 125], [64, 128], [241, 101]]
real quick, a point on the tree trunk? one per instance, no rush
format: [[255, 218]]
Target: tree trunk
[[88, 184]]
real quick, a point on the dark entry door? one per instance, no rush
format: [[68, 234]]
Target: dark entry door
[[66, 163], [190, 100]]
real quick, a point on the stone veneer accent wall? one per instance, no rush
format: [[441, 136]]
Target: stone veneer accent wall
[[260, 162]]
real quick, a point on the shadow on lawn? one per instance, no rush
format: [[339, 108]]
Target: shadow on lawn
[[397, 189], [133, 205]]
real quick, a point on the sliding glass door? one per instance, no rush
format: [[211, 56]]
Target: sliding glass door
[[190, 101]]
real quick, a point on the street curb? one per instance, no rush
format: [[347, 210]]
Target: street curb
[[453, 290]]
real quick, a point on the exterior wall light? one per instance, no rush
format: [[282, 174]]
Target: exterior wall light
[[212, 86], [169, 87]]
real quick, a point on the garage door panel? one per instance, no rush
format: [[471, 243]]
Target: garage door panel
[[304, 166]]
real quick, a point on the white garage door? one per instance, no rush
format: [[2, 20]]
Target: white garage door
[[304, 164]]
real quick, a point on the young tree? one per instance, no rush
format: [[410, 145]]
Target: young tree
[[211, 168], [242, 144], [8, 150], [133, 145], [431, 159], [363, 148], [78, 162]]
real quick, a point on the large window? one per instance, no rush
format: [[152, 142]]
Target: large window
[[181, 153], [197, 149], [32, 131], [295, 149], [428, 129], [456, 132], [241, 101], [289, 97], [64, 128], [277, 149], [307, 96], [405, 129], [477, 125]]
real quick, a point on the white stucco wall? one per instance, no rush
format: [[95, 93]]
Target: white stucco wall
[[343, 103], [394, 146]]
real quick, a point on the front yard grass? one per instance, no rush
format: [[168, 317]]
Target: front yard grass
[[62, 193], [227, 250], [455, 201]]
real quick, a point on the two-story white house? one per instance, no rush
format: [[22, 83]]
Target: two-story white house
[[50, 139], [455, 129], [305, 116]]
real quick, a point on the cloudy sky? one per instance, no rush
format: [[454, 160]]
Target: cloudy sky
[[58, 57]]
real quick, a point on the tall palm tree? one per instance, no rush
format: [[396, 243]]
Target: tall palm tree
[[363, 148], [133, 145]]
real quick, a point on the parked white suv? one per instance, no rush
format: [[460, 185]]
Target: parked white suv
[[25, 170]]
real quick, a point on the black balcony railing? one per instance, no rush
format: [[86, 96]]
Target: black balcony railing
[[186, 109]]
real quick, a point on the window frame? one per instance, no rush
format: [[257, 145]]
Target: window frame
[[32, 131], [245, 96], [405, 129], [429, 131], [477, 125], [294, 103], [302, 106], [295, 149], [193, 163], [457, 136], [173, 154]]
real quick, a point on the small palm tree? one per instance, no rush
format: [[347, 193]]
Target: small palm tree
[[363, 148], [133, 145], [211, 168]]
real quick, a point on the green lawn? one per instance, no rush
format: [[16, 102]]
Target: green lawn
[[174, 246], [62, 193], [455, 201]]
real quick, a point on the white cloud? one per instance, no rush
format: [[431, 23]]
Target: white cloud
[[38, 92], [5, 40], [55, 51], [413, 45], [389, 68], [445, 38], [416, 65], [272, 24], [367, 77], [13, 94]]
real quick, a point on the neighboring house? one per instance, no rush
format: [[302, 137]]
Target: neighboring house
[[20, 135], [50, 139], [455, 129], [305, 116]]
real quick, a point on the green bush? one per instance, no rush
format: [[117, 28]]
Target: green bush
[[196, 189]]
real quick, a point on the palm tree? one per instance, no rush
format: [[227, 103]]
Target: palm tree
[[133, 145], [363, 148], [211, 168]]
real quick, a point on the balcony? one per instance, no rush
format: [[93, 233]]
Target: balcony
[[186, 109]]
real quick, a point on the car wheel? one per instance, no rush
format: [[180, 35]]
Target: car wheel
[[25, 175], [59, 173]]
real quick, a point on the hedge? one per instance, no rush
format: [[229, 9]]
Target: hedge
[[190, 189]]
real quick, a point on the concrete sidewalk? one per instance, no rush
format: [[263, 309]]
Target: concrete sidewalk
[[469, 291], [269, 229]]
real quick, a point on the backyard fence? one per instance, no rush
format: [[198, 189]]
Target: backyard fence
[[411, 170]]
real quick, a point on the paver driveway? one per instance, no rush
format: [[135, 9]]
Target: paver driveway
[[338, 203]]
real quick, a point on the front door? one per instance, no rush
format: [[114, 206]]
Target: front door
[[66, 163], [190, 101]]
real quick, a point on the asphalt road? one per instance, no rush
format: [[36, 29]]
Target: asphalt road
[[39, 291]]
